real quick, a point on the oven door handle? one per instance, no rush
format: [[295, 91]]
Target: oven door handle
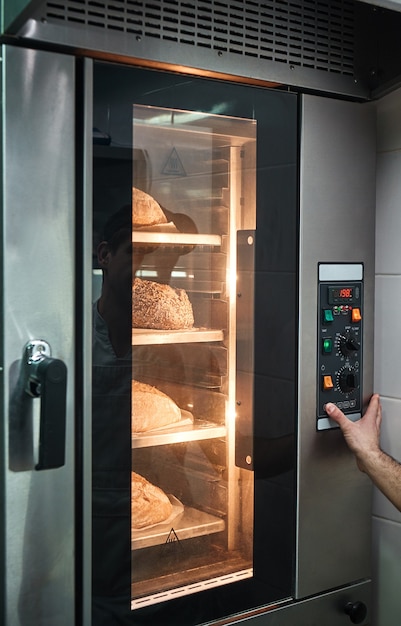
[[244, 383], [46, 378]]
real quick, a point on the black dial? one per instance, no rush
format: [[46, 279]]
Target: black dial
[[349, 344], [348, 379], [357, 611]]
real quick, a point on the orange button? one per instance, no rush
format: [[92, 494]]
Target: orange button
[[356, 315], [327, 383]]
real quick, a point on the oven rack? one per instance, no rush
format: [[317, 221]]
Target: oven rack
[[199, 430], [189, 524], [148, 336], [175, 239]]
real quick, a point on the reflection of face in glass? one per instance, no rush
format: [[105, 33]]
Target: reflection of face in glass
[[115, 259], [115, 303]]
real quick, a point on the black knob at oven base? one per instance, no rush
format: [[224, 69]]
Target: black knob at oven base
[[357, 611]]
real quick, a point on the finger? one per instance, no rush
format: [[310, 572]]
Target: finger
[[379, 413], [374, 409], [335, 413]]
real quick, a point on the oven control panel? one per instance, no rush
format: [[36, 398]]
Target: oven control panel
[[339, 341]]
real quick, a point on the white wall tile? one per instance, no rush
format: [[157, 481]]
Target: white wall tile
[[390, 443], [388, 213], [386, 579], [387, 343], [389, 122], [387, 371]]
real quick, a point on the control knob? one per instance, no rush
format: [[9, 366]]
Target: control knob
[[349, 344], [348, 379], [356, 611]]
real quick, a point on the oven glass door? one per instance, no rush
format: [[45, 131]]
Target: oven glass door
[[194, 326]]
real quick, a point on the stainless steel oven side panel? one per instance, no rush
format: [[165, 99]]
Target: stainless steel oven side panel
[[337, 208], [38, 260], [86, 322]]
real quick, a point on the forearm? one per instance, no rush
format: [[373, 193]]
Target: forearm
[[385, 473]]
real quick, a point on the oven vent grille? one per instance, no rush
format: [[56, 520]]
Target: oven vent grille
[[315, 34]]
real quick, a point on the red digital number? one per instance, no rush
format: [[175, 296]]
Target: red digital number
[[345, 293]]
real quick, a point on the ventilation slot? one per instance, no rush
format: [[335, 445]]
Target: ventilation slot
[[305, 33]]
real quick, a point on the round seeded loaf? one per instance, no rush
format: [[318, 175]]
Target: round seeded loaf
[[160, 306]]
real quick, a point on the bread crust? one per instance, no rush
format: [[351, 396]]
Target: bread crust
[[151, 408], [160, 306], [146, 211], [149, 504]]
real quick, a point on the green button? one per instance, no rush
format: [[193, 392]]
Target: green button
[[327, 345], [328, 315]]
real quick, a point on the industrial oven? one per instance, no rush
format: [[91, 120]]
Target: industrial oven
[[265, 234]]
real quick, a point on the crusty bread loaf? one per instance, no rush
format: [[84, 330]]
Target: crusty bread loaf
[[145, 210], [159, 306], [151, 408], [149, 504]]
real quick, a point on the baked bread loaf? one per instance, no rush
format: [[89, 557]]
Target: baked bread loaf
[[151, 408], [145, 210], [159, 306], [149, 504]]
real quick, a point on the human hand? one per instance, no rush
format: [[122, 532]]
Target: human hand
[[363, 436]]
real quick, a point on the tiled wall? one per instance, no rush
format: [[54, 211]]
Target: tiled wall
[[386, 519]]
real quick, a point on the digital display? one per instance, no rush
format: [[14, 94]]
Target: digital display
[[342, 294]]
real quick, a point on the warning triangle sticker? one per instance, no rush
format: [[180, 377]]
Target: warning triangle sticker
[[172, 537], [173, 165]]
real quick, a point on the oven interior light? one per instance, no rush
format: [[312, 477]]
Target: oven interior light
[[147, 273], [154, 274]]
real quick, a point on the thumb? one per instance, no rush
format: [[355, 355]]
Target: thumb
[[335, 413]]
